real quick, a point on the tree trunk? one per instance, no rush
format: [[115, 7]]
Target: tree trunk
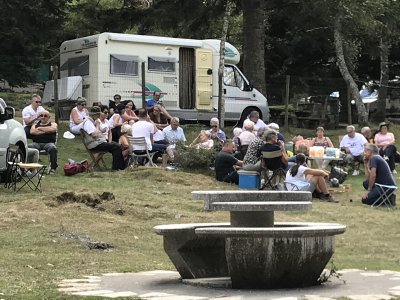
[[351, 84], [221, 98], [254, 42], [380, 114]]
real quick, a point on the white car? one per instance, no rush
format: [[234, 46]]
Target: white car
[[11, 132]]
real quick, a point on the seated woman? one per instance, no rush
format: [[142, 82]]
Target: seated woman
[[126, 131], [116, 122], [158, 118], [102, 123], [386, 143], [203, 141], [216, 133], [316, 178], [320, 139], [77, 116], [129, 115]]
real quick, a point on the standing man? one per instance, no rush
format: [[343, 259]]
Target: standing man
[[353, 145], [156, 102], [376, 171], [30, 114], [44, 136], [226, 164], [96, 141]]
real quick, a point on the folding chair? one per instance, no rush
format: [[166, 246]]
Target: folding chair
[[296, 186], [385, 194], [277, 176], [140, 143], [12, 175], [95, 156]]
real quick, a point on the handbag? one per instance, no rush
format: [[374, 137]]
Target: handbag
[[76, 167]]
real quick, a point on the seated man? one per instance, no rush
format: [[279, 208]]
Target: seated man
[[96, 141], [173, 134], [272, 144], [254, 116], [376, 171], [226, 163], [144, 128], [44, 135], [150, 104], [353, 145]]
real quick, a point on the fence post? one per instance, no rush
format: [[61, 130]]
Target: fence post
[[55, 78], [287, 96], [143, 84]]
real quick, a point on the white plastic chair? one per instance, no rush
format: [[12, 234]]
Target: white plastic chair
[[140, 142]]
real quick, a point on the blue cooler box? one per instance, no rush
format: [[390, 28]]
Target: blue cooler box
[[249, 180]]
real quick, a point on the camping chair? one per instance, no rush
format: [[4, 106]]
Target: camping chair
[[29, 175], [386, 192], [140, 142], [296, 186], [95, 156], [277, 176]]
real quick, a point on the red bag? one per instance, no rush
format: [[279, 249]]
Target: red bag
[[75, 168]]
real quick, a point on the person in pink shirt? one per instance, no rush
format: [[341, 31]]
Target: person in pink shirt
[[386, 143]]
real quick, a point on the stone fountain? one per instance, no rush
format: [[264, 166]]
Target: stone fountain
[[252, 250]]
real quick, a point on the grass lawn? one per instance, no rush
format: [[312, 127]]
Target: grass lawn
[[43, 240]]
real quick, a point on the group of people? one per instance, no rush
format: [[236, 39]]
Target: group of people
[[376, 152]]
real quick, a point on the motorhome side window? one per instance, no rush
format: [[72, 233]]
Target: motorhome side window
[[233, 78], [124, 65], [161, 64], [76, 66]]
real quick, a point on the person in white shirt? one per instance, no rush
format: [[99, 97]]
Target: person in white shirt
[[254, 116], [146, 129], [31, 113], [316, 178], [353, 145], [247, 135], [78, 115], [173, 134]]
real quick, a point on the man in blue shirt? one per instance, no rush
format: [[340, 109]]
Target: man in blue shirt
[[156, 102], [376, 171]]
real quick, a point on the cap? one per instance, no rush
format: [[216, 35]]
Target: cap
[[383, 124]]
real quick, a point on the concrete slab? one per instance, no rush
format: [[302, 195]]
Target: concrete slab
[[165, 285]]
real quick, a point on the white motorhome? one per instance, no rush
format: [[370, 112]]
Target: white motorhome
[[185, 71]]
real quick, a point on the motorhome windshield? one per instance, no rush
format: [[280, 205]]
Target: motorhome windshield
[[232, 77]]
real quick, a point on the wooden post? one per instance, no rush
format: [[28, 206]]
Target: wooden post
[[55, 78], [287, 97], [143, 84]]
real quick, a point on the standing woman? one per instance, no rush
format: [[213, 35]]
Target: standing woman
[[78, 115], [386, 143], [320, 139], [116, 122]]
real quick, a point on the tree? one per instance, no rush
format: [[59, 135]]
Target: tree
[[29, 33], [254, 42]]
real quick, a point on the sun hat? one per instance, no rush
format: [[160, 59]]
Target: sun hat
[[273, 126], [68, 135], [383, 124]]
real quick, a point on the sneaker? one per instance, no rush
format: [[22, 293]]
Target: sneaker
[[386, 158], [52, 172], [394, 172], [356, 173], [328, 198]]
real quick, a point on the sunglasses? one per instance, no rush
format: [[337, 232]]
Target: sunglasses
[[44, 116], [82, 104], [105, 112], [38, 101], [214, 126], [117, 98]]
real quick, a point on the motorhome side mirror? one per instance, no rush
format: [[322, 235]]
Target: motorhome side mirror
[[250, 86], [209, 72]]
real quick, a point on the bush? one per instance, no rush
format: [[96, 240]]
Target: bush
[[187, 158]]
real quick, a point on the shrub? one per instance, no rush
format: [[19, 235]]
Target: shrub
[[192, 159]]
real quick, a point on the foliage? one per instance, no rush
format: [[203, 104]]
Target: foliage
[[191, 159], [29, 34]]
